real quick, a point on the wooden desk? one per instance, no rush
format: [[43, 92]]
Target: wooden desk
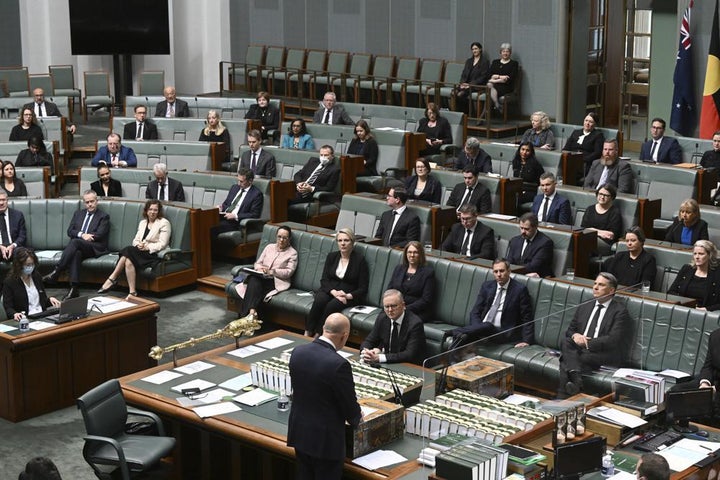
[[249, 443], [42, 371]]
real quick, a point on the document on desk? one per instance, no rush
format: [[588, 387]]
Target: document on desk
[[161, 377], [40, 325], [623, 476], [216, 409], [243, 352], [214, 396], [616, 416], [237, 383], [379, 459], [195, 367], [6, 328], [687, 452], [198, 383], [276, 342], [255, 397]]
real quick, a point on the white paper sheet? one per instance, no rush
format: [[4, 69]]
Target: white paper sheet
[[345, 354], [618, 417], [216, 409], [197, 383], [40, 325], [517, 399], [115, 306], [47, 253], [379, 459], [255, 397], [215, 395], [237, 383], [620, 475], [363, 309], [679, 458], [161, 377], [246, 351], [6, 328], [276, 342], [195, 367]]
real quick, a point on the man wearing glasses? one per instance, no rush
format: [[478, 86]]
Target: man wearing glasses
[[141, 128], [659, 148], [610, 169]]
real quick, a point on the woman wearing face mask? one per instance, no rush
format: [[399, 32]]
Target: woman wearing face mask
[[23, 290]]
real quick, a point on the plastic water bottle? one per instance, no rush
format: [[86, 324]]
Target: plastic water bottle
[[23, 323], [608, 467], [283, 402]]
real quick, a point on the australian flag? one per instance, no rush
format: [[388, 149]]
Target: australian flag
[[683, 116]]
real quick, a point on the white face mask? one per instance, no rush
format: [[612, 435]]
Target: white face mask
[[28, 269], [324, 160]]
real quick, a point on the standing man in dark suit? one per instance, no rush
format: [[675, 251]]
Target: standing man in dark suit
[[600, 334], [710, 373], [470, 237], [317, 175], [43, 108], [105, 185], [257, 159], [471, 191], [115, 154], [244, 200], [503, 310], [88, 231], [532, 248], [398, 335], [610, 169], [164, 188], [475, 156], [12, 228], [399, 225], [549, 206], [141, 128], [330, 113], [171, 106], [323, 400], [660, 149]]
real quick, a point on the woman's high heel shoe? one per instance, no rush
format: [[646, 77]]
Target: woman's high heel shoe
[[105, 289]]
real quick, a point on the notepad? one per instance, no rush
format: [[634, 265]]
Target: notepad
[[255, 397]]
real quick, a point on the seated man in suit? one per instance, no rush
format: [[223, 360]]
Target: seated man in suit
[[474, 155], [164, 188], [330, 113], [600, 333], [244, 200], [171, 106], [660, 149], [260, 161], [105, 185], [317, 175], [399, 225], [532, 248], [141, 128], [549, 206], [114, 154], [471, 191], [397, 336], [503, 311], [12, 228], [43, 108], [470, 237], [610, 169], [88, 231]]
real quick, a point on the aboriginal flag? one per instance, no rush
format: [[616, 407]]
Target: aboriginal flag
[[710, 115]]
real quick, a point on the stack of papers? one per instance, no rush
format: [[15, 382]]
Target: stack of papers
[[255, 397], [613, 415]]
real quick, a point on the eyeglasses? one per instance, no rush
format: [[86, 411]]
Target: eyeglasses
[[391, 307]]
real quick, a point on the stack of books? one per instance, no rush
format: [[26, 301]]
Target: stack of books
[[272, 374], [493, 409], [639, 390], [472, 461]]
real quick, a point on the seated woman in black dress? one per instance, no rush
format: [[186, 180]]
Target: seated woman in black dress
[[363, 143], [278, 262], [604, 217], [526, 166], [23, 290], [436, 129], [587, 140], [36, 155], [422, 185], [475, 72], [344, 282], [266, 112], [635, 265], [27, 127], [502, 75], [153, 236], [10, 183], [416, 281], [700, 279], [215, 131], [687, 228]]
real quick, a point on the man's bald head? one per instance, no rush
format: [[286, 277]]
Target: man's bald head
[[337, 329]]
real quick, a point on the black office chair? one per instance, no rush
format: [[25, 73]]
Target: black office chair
[[107, 446]]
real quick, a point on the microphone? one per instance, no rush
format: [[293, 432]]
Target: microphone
[[393, 382], [192, 196], [442, 238], [197, 108], [243, 106], [562, 136], [44, 129], [362, 112], [355, 221]]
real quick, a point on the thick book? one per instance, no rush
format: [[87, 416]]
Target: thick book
[[448, 441], [449, 466], [645, 408]]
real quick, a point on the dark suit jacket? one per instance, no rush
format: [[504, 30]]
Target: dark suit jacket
[[115, 189], [620, 175], [18, 232], [269, 118], [355, 281], [418, 290], [51, 110], [27, 159], [323, 400], [326, 181], [591, 147], [699, 231], [612, 345], [482, 245], [251, 206], [431, 193], [406, 229], [538, 256], [517, 312], [149, 131], [176, 193], [480, 197], [711, 367], [103, 155], [411, 338], [711, 300], [99, 227], [339, 116], [482, 162], [475, 74], [265, 163], [15, 297], [669, 151], [559, 211], [181, 108]]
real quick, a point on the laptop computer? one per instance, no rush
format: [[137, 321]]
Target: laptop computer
[[70, 309]]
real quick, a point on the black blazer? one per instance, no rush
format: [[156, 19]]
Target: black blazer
[[18, 231], [269, 117], [19, 191], [15, 297], [431, 193], [51, 110], [28, 159], [339, 115], [418, 290], [559, 211], [538, 256], [356, 277], [264, 163], [613, 343], [114, 190], [482, 162], [370, 151], [411, 338], [711, 367], [480, 197], [326, 181], [176, 192], [251, 206], [150, 131], [699, 231], [475, 74], [591, 146], [181, 108], [630, 272], [406, 229], [99, 227], [711, 300], [482, 245]]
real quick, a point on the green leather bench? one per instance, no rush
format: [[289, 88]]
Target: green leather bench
[[10, 106], [53, 128]]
